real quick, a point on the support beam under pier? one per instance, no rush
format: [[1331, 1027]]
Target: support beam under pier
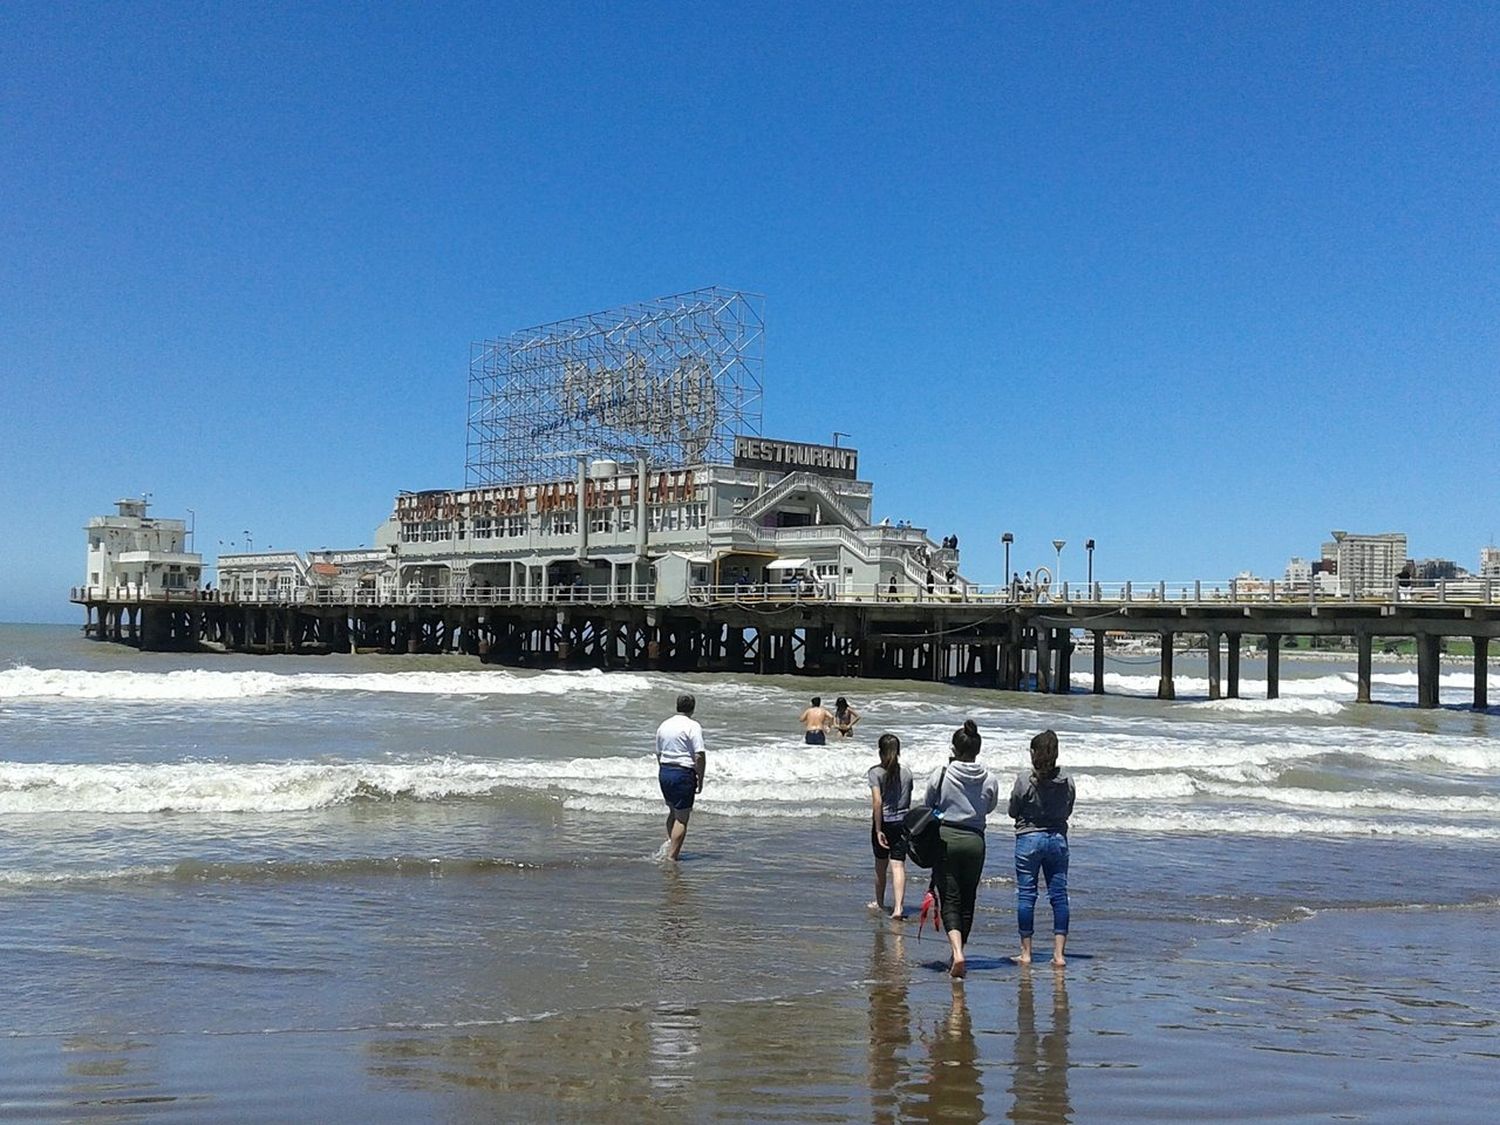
[[1481, 673], [1428, 669], [1232, 688], [1215, 680], [1364, 644], [1165, 688], [1098, 661], [1273, 665]]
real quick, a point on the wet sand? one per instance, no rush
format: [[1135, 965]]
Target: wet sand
[[617, 991]]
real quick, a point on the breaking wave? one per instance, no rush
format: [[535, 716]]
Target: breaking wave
[[26, 682]]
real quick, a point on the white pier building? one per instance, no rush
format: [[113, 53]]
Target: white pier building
[[134, 555], [779, 514]]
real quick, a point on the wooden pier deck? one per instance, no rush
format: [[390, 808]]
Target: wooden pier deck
[[993, 638]]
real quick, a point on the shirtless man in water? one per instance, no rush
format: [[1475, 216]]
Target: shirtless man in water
[[816, 722]]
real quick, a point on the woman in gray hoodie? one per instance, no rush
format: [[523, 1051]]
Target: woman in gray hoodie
[[961, 794]]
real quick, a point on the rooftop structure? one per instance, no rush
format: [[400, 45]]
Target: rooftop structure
[[137, 554], [675, 380]]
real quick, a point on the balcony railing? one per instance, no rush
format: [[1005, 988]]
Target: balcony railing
[[1235, 592]]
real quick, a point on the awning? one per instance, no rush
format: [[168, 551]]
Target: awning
[[789, 564]]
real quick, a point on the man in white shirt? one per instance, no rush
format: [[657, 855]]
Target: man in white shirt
[[681, 761]]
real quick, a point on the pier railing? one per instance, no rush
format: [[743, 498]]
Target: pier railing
[[1235, 592]]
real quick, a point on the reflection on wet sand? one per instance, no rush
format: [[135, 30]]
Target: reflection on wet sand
[[1039, 1081], [890, 1025], [672, 1054], [951, 1086]]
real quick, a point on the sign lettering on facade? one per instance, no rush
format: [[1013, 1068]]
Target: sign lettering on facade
[[796, 456]]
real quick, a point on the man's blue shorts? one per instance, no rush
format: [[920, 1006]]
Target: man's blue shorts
[[679, 784]]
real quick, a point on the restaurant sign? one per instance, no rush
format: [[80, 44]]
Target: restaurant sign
[[795, 456]]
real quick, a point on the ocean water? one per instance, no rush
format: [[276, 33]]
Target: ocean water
[[241, 888]]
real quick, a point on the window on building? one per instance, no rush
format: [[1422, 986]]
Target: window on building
[[601, 521], [515, 526], [627, 519], [484, 528]]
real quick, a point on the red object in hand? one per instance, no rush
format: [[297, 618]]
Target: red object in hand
[[929, 906]]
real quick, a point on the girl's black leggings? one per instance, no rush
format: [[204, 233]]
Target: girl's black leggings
[[956, 874]]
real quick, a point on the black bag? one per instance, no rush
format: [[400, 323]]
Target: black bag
[[923, 844]]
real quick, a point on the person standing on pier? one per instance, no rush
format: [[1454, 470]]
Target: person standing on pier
[[681, 762], [816, 722]]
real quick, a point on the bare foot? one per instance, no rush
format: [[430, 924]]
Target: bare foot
[[1023, 957], [958, 970], [873, 905], [898, 915], [1059, 962]]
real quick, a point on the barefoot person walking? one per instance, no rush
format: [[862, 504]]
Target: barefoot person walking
[[890, 800], [681, 761], [962, 794], [1040, 803]]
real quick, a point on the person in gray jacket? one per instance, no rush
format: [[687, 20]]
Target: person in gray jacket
[[1041, 803], [962, 794]]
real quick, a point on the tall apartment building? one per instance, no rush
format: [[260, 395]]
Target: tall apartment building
[[1367, 564], [1489, 562]]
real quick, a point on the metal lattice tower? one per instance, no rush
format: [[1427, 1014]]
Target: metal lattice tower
[[674, 379]]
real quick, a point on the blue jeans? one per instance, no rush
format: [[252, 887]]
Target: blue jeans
[[1045, 852]]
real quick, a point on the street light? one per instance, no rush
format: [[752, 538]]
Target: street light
[[249, 543], [1007, 539], [1059, 544], [192, 527], [1089, 546], [836, 435]]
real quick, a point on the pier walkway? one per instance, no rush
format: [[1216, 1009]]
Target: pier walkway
[[1001, 637]]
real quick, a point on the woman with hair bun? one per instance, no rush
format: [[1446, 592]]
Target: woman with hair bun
[[961, 794], [1041, 802]]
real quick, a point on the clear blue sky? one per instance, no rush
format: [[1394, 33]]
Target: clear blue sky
[[1202, 284]]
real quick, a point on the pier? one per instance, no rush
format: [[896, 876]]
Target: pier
[[991, 637]]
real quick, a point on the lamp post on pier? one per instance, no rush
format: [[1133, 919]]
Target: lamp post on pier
[[1007, 539], [1058, 544], [1089, 546]]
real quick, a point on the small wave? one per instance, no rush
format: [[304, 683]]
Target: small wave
[[26, 682], [1310, 705], [1172, 821], [208, 787]]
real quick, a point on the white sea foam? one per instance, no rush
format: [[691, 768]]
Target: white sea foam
[[195, 684], [1312, 705], [1231, 822], [1338, 686]]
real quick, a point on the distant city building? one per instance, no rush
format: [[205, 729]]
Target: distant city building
[[1367, 564], [137, 554], [1489, 562], [1432, 570], [1298, 573]]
